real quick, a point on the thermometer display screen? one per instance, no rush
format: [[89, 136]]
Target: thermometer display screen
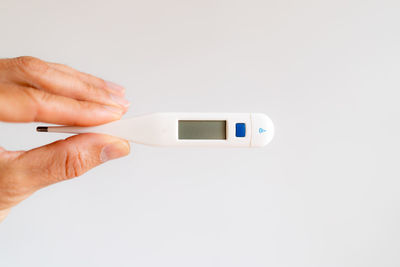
[[198, 129]]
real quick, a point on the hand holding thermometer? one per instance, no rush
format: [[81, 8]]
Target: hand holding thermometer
[[185, 129]]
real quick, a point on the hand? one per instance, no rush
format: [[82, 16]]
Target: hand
[[32, 90]]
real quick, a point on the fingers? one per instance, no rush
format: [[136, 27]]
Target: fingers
[[24, 172], [90, 79], [65, 81], [68, 158], [25, 104], [33, 90]]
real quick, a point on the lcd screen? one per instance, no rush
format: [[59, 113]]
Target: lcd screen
[[199, 129]]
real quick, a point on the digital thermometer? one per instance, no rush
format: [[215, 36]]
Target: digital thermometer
[[185, 129]]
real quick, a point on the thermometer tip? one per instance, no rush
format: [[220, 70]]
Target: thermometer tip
[[41, 129]]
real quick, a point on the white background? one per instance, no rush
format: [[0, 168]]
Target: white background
[[325, 192]]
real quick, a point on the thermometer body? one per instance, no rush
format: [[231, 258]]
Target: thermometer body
[[185, 129]]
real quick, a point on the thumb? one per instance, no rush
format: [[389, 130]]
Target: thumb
[[69, 158]]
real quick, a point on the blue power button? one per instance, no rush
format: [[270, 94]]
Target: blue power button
[[240, 129]]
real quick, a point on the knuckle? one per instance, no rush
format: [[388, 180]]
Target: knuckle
[[84, 106], [74, 163], [102, 83], [32, 65], [37, 100], [43, 97], [91, 89]]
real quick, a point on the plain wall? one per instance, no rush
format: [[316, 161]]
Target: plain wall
[[325, 192]]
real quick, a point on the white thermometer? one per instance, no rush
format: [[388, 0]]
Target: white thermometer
[[185, 129]]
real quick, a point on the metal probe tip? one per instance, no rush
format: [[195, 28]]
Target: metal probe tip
[[41, 129]]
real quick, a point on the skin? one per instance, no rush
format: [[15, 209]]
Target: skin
[[32, 90]]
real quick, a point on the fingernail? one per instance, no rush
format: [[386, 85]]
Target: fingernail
[[120, 100], [114, 150], [116, 88]]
